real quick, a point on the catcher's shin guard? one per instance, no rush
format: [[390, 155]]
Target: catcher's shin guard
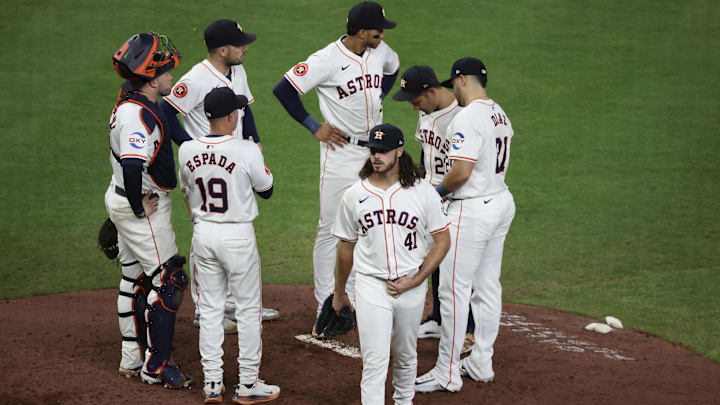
[[163, 304], [132, 298]]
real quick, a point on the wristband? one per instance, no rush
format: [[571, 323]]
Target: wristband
[[442, 190], [310, 123]]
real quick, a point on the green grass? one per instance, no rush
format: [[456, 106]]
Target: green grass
[[614, 167]]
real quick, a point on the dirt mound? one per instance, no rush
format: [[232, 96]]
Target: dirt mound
[[65, 348]]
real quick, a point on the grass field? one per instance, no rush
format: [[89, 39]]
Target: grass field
[[614, 168]]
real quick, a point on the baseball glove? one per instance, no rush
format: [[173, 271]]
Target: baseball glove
[[329, 324], [108, 239]]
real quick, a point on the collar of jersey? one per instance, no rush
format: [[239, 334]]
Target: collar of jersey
[[488, 102], [345, 51], [444, 110], [373, 189]]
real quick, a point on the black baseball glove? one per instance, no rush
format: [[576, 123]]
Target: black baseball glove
[[329, 324], [108, 239]]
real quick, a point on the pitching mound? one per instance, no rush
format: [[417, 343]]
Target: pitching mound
[[65, 348]]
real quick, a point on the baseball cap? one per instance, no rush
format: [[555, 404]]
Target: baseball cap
[[221, 101], [465, 67], [414, 81], [226, 32], [385, 137], [369, 15]]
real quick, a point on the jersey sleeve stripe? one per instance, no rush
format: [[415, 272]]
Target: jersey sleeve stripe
[[294, 84], [175, 105], [346, 240], [130, 155], [251, 100], [462, 158], [440, 229]]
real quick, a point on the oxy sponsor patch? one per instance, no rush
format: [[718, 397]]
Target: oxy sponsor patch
[[137, 140], [458, 140]]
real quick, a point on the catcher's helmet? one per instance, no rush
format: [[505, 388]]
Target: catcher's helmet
[[145, 56]]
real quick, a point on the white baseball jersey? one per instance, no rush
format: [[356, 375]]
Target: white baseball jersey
[[130, 138], [348, 85], [189, 93], [219, 173], [432, 133], [390, 226], [482, 134]]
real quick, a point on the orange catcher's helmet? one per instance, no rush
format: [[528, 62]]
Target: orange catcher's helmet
[[146, 56]]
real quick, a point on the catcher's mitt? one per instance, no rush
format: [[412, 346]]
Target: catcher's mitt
[[329, 324], [108, 239]]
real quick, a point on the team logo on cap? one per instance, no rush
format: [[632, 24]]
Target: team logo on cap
[[180, 90], [403, 82], [379, 135], [300, 69]]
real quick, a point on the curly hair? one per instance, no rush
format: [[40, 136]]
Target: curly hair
[[410, 173]]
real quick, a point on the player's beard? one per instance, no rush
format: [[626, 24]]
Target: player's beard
[[387, 168]]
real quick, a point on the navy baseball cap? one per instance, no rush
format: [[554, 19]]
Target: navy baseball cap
[[414, 81], [369, 15], [221, 101], [466, 67], [385, 137], [226, 32]]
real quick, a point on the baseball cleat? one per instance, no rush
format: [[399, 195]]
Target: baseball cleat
[[256, 393], [468, 344], [424, 378], [429, 329], [269, 314], [464, 373], [129, 372], [212, 392], [229, 325], [431, 385]]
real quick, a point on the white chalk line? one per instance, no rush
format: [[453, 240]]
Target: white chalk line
[[334, 345], [516, 323], [543, 334]]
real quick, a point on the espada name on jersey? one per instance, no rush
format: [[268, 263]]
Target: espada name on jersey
[[357, 84], [202, 159]]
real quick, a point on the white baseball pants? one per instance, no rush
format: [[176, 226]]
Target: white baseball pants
[[470, 276], [339, 169], [388, 326], [143, 245], [226, 254]]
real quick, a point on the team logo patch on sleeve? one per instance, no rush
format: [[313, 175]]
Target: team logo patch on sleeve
[[267, 170], [457, 140], [180, 90], [137, 140], [300, 69]]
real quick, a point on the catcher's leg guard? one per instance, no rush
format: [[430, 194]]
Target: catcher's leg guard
[[163, 303], [131, 318]]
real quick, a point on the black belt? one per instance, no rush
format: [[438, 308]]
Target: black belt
[[359, 143], [122, 192]]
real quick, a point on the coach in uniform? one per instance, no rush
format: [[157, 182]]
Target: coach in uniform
[[388, 214], [351, 76], [227, 43], [481, 209], [137, 202], [220, 172]]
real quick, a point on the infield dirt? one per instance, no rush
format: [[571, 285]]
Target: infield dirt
[[64, 348]]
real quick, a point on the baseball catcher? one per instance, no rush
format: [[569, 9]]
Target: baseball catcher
[[329, 323]]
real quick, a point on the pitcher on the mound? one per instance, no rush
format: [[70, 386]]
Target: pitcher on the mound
[[381, 226]]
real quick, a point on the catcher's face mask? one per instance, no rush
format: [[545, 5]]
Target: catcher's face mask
[[146, 56]]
